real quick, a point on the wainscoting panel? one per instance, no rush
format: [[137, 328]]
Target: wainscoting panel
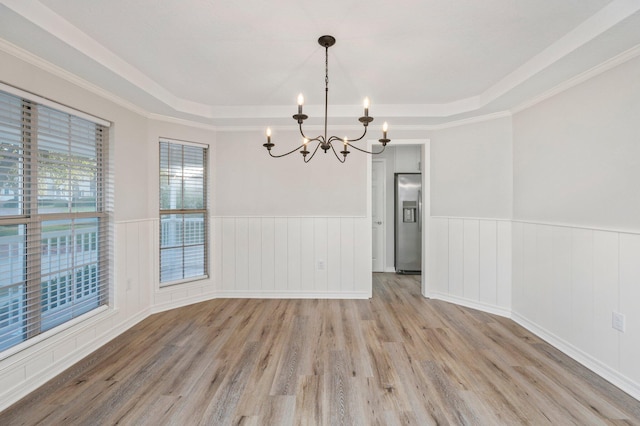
[[605, 295], [439, 251], [504, 267], [255, 255], [471, 262], [488, 261], [568, 282], [280, 253], [347, 254], [456, 258], [241, 260], [629, 274], [334, 254], [293, 254], [292, 257], [267, 255]]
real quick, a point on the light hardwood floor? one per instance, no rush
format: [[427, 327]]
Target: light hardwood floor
[[395, 359]]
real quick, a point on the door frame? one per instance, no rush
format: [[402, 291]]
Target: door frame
[[425, 170], [384, 210]]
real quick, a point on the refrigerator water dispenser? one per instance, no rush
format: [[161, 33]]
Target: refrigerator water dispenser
[[409, 211]]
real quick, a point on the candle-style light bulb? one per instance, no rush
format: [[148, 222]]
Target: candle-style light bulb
[[345, 141], [305, 141], [268, 134], [366, 106], [300, 103], [385, 127]]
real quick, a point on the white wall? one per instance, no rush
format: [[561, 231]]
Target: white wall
[[284, 228], [248, 182], [471, 170], [577, 154], [471, 199], [576, 174]]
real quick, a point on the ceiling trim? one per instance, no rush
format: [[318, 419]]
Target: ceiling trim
[[396, 127], [262, 112], [71, 35], [597, 24], [62, 29], [580, 78], [46, 66]]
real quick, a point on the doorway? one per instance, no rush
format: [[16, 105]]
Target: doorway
[[378, 220], [374, 168]]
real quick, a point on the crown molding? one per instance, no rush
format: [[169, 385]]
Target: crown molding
[[471, 120], [183, 122], [56, 25], [405, 127], [279, 111], [59, 27], [593, 27], [55, 70], [580, 78]]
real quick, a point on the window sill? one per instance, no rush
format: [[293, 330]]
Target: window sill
[[167, 285], [59, 331]]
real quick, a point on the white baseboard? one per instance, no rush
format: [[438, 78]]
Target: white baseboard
[[391, 269], [162, 307], [292, 295], [619, 380], [473, 304]]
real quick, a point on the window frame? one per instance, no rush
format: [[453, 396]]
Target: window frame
[[35, 323], [204, 211]]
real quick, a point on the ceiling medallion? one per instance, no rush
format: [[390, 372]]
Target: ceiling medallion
[[324, 142]]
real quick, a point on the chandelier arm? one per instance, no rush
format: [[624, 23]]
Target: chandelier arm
[[367, 152], [284, 155], [335, 138], [303, 135], [361, 136], [342, 160], [317, 138], [312, 154]]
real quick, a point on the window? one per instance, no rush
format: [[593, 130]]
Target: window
[[183, 212], [54, 221]]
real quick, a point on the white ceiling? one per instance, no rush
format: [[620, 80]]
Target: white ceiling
[[232, 63]]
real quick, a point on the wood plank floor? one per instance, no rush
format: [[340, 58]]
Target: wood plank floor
[[395, 359]]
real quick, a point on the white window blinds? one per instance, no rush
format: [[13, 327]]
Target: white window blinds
[[183, 212], [54, 218]]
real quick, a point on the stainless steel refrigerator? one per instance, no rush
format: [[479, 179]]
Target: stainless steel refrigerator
[[408, 223]]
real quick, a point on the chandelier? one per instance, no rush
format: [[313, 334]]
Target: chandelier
[[325, 142]]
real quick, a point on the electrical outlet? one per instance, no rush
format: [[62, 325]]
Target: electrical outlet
[[321, 265], [617, 321]]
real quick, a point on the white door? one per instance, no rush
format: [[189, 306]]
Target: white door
[[377, 213]]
